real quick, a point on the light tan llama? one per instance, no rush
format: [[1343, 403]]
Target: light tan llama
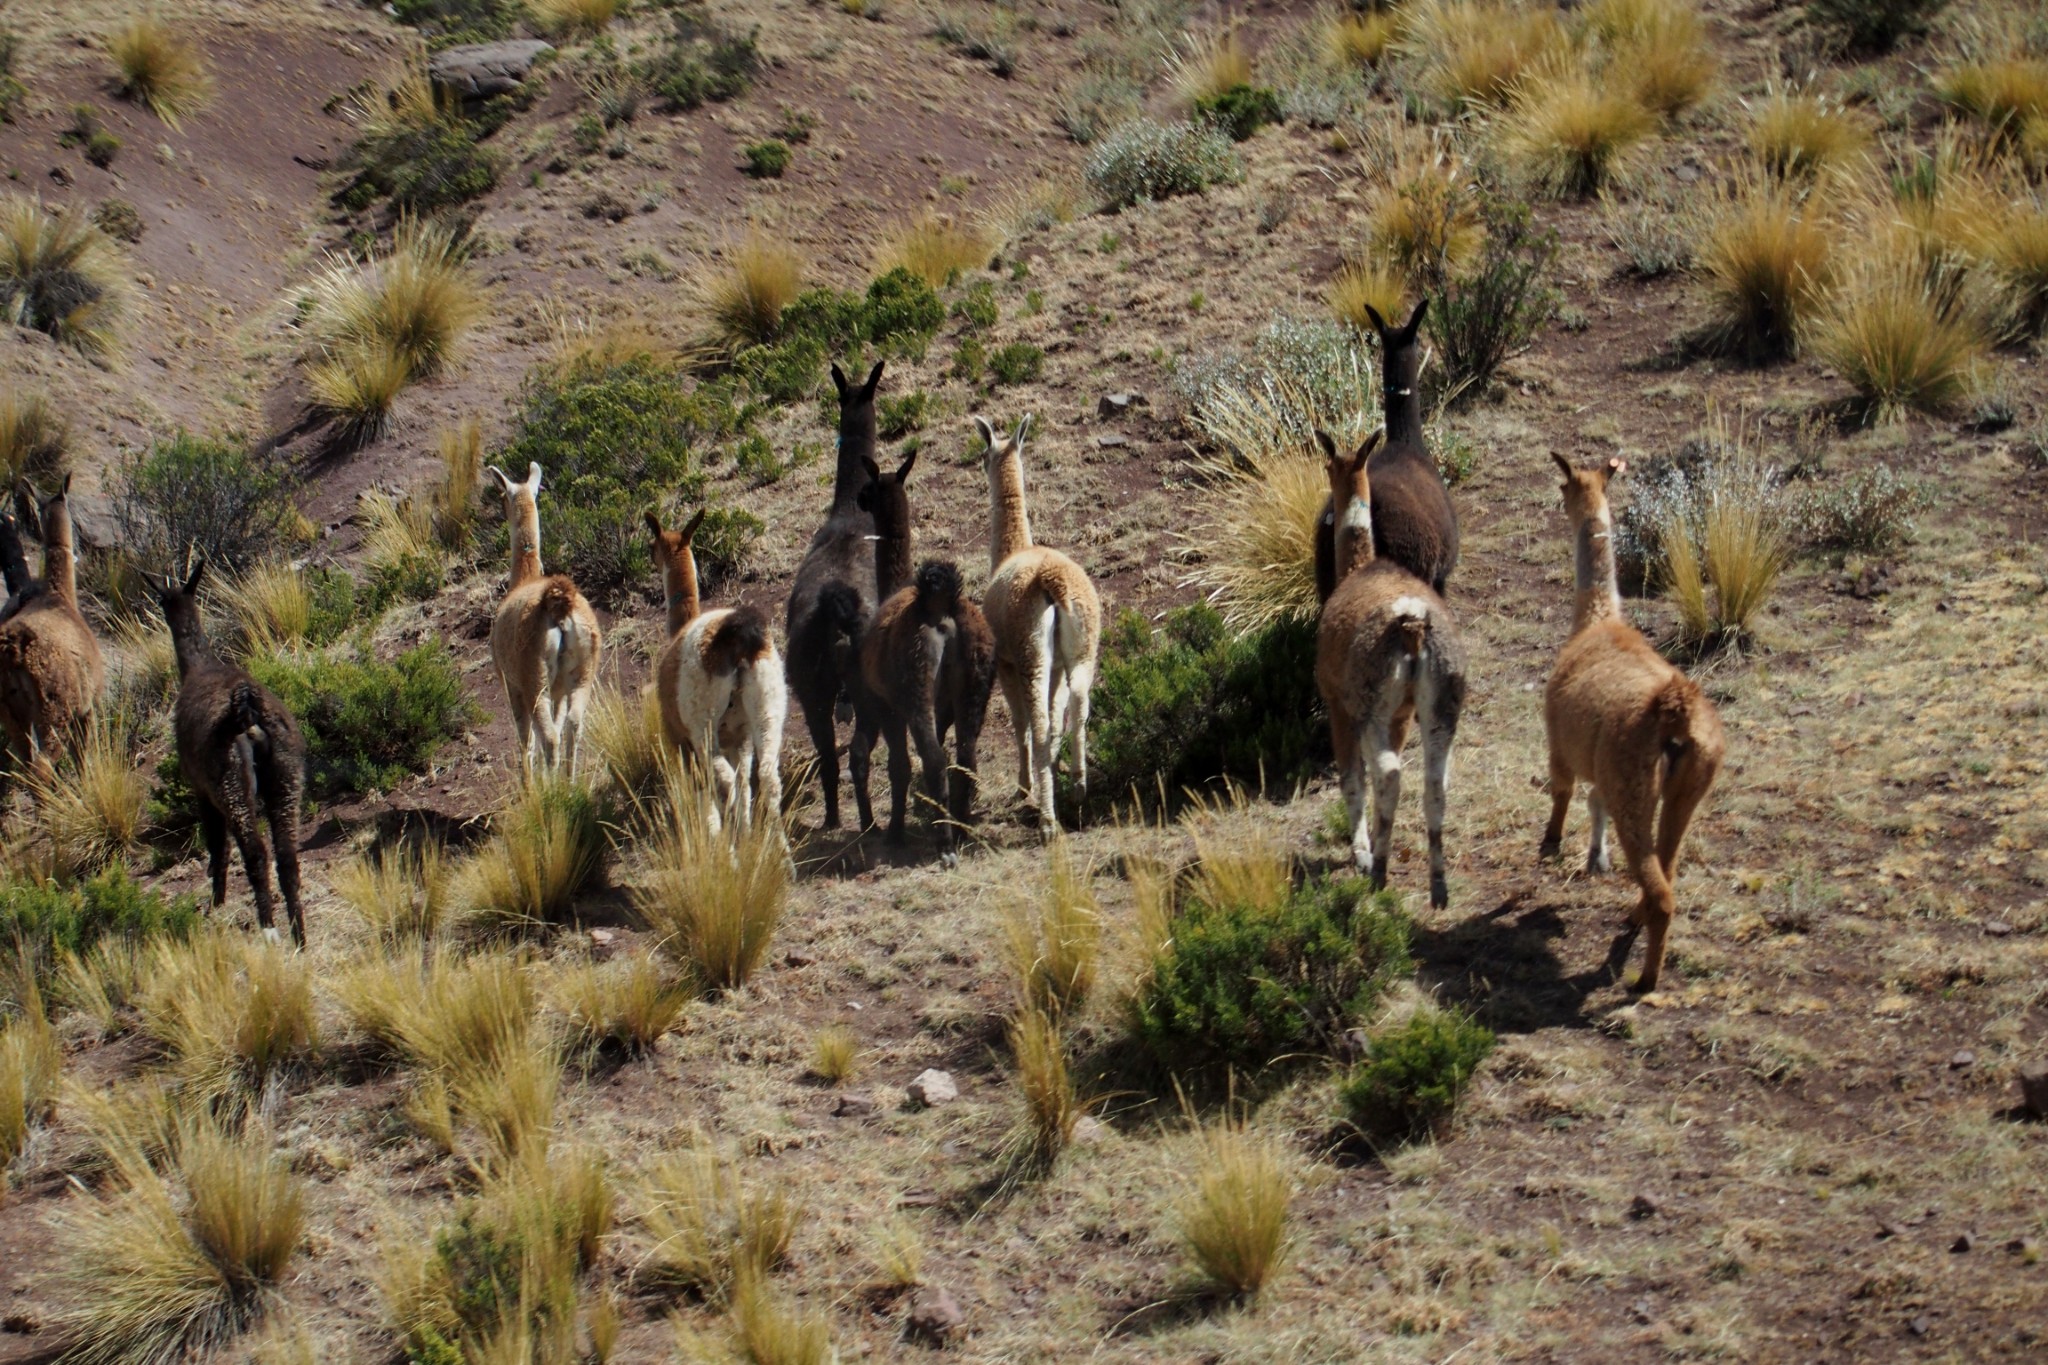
[[545, 641], [1387, 654], [719, 681], [1047, 623], [50, 664], [1626, 722]]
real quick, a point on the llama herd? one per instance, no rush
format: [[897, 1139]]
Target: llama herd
[[902, 650]]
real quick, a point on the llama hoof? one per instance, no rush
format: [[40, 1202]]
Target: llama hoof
[[1549, 850], [1379, 874], [1598, 863], [949, 859], [1439, 893]]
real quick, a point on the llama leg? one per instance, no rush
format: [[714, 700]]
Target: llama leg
[[1081, 682], [1018, 702], [1385, 757], [1597, 859], [214, 826], [1561, 785], [1654, 911], [932, 755], [1044, 643], [860, 757], [896, 734], [284, 838], [1437, 735], [818, 720], [766, 705], [572, 727], [1684, 788]]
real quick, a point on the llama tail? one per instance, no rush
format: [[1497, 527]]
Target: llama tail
[[938, 589], [739, 641], [1687, 728], [1411, 618], [251, 746]]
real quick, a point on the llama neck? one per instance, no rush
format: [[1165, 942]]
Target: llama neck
[[1354, 534], [1009, 525], [679, 580], [1599, 598], [188, 640], [526, 544], [60, 560], [1403, 403], [856, 448], [892, 562]]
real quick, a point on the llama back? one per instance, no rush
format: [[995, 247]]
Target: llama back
[[735, 639]]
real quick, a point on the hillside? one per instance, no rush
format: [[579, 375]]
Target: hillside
[[1808, 1142]]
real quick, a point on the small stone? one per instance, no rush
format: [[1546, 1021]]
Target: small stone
[[853, 1107], [1889, 1228], [479, 70], [1920, 1326], [1964, 1057], [935, 1315], [1110, 441], [1117, 404], [1997, 928], [603, 943], [797, 957], [1644, 1206], [1640, 1310], [1965, 1243], [2034, 1089], [1088, 1131], [2026, 1248], [933, 1088], [60, 175]]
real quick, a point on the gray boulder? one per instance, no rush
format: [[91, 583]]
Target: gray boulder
[[479, 70]]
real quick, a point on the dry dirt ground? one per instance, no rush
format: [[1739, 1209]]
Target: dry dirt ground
[[1775, 1157]]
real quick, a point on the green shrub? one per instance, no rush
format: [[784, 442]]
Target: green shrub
[[1017, 363], [11, 89], [977, 307], [1246, 986], [1191, 704], [424, 163], [1871, 512], [1144, 160], [459, 21], [215, 496], [369, 724], [39, 923], [970, 358], [1240, 111], [701, 61], [786, 371], [1873, 25], [1414, 1074], [99, 145], [766, 160], [1484, 314], [898, 315], [899, 415], [615, 435]]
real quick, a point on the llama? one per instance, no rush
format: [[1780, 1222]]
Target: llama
[[719, 681], [833, 594], [1387, 652], [50, 664], [1047, 622], [242, 753], [545, 640], [1413, 522], [1626, 722], [927, 665]]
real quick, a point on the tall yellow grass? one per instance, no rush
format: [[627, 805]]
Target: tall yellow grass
[[706, 1225], [936, 248], [30, 1064], [1055, 940], [713, 896], [232, 1011], [742, 296], [1569, 130], [33, 436], [1208, 62], [1795, 134], [401, 892], [1232, 1221], [93, 811], [160, 67], [1767, 258], [1474, 51]]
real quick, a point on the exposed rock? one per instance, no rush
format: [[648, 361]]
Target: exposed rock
[[1997, 928], [935, 1315], [797, 957], [1117, 404], [1109, 441], [2034, 1089], [1920, 1326], [1964, 1057], [479, 70], [1966, 1242], [1088, 1130], [1888, 1228], [603, 943], [933, 1088], [1645, 1206]]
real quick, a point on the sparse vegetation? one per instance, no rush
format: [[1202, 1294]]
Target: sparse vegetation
[[1485, 314], [1799, 135], [1767, 257], [34, 438], [400, 892], [937, 249], [59, 274], [766, 160], [197, 495], [1045, 1084], [1873, 25], [546, 845], [99, 146], [1569, 131], [835, 1054], [710, 1227], [419, 151], [573, 18], [369, 724], [1232, 1221], [12, 91], [701, 61], [160, 67], [1143, 160], [626, 1005], [744, 298], [1870, 511], [714, 897], [1414, 1074]]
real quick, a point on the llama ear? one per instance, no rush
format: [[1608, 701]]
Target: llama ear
[[198, 572], [903, 470], [653, 523], [1370, 444], [1414, 323], [533, 478], [64, 488], [1329, 446], [1023, 426], [1616, 467], [874, 381], [874, 470], [988, 433], [504, 483], [1379, 323], [839, 380], [1564, 465], [690, 530]]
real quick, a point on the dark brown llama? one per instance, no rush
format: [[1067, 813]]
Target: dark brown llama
[[833, 594], [1413, 522], [242, 752], [927, 665]]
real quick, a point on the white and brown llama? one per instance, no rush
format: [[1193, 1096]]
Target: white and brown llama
[[1622, 719], [1047, 622], [1387, 654], [719, 681], [545, 641]]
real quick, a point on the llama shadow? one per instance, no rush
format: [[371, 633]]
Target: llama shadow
[[1153, 1317], [1504, 965]]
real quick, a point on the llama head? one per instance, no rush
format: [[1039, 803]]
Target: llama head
[[180, 601], [1400, 357], [884, 497], [857, 404], [49, 517], [673, 547], [1347, 472], [1585, 490], [522, 511], [995, 446]]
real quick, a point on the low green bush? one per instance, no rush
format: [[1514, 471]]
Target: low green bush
[[977, 306], [1484, 314], [1190, 705], [119, 220], [1017, 363], [369, 724], [897, 315], [87, 134], [1240, 111], [898, 415], [1246, 986], [12, 91], [1414, 1074], [191, 493], [424, 164], [1144, 160], [785, 371], [616, 435], [40, 922], [459, 21], [701, 61], [766, 160], [1873, 25], [1871, 511]]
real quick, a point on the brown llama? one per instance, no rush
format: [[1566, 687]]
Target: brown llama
[[720, 684], [241, 751], [1413, 522], [1387, 653], [833, 594], [1626, 722], [1047, 621], [927, 665], [545, 641], [50, 664]]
